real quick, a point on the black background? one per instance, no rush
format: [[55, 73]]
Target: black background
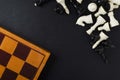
[[67, 42]]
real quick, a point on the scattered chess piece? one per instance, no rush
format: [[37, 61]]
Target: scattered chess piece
[[94, 38], [84, 19], [77, 7], [39, 2], [59, 9], [103, 37], [113, 6], [107, 44], [92, 7], [101, 11], [100, 21], [105, 27], [98, 11], [79, 1], [117, 2], [63, 4], [113, 21]]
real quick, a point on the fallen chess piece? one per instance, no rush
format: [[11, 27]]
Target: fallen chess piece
[[102, 38], [117, 2], [101, 11], [87, 19], [113, 21], [59, 9], [79, 1], [105, 27], [62, 2], [113, 6], [100, 21]]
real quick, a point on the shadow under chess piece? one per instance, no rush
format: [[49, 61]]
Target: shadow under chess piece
[[79, 9], [59, 9]]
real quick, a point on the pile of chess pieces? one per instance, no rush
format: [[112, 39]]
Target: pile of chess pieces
[[97, 9]]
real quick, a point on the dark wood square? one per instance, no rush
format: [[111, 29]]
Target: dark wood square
[[9, 75], [1, 37], [4, 58], [28, 71], [21, 51]]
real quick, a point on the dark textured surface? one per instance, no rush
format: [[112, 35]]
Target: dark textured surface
[[68, 43]]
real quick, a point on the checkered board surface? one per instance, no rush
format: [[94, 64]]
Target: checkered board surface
[[20, 59]]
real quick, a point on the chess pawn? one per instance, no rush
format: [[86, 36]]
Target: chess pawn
[[62, 3], [102, 38], [113, 21], [100, 21], [87, 19], [101, 11], [105, 27]]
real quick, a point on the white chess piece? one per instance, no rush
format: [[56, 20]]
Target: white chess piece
[[102, 38], [87, 19], [101, 11], [100, 21], [62, 2], [117, 2], [113, 21], [105, 27], [113, 6], [92, 7], [79, 1]]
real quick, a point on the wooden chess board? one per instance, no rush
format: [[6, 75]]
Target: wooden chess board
[[20, 59]]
